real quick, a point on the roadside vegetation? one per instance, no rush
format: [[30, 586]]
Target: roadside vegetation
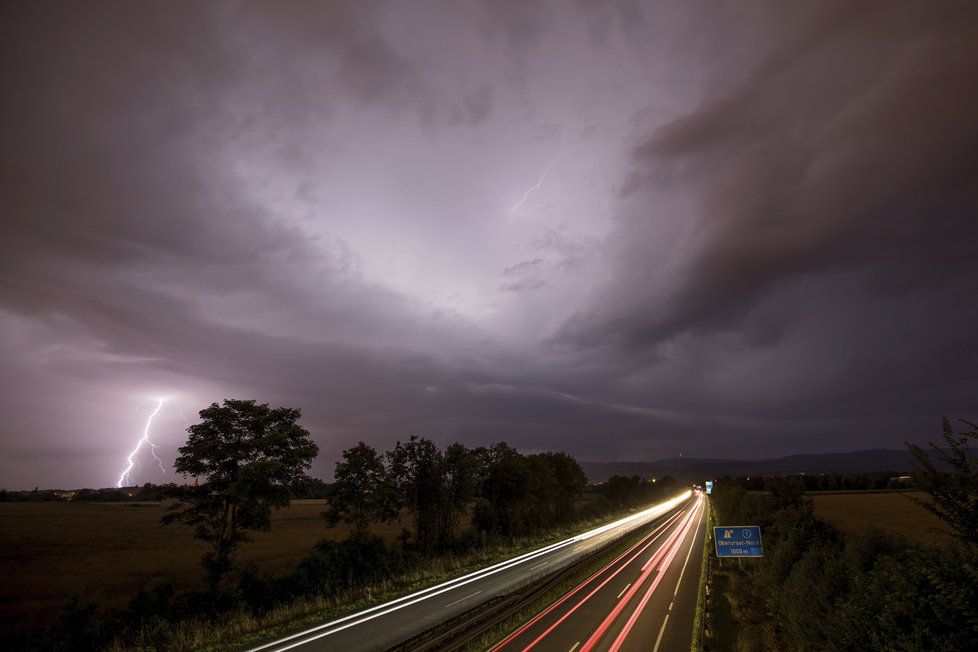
[[409, 517], [818, 587]]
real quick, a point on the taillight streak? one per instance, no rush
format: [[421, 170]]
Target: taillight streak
[[648, 594], [651, 535], [649, 567]]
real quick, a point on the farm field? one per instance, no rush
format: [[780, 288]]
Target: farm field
[[893, 513], [108, 551]]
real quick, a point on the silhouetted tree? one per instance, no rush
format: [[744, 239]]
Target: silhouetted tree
[[359, 494], [249, 457], [460, 468], [416, 477], [556, 480], [505, 480]]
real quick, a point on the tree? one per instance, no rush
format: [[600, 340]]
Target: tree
[[416, 477], [359, 494], [250, 457], [571, 483], [460, 468], [505, 479], [954, 492], [788, 492]]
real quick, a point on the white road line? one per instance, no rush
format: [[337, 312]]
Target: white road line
[[537, 566], [686, 563], [463, 599], [574, 647], [383, 609], [623, 591], [662, 630]]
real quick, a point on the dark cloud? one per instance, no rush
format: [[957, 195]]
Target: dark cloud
[[756, 225], [813, 223]]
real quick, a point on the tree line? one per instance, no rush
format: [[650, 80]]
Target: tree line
[[507, 493], [878, 481]]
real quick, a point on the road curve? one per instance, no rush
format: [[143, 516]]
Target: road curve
[[645, 599], [392, 622]]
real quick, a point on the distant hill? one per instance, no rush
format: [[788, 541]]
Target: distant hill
[[687, 468]]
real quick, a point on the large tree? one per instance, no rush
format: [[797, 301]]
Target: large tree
[[461, 476], [360, 493], [416, 474], [247, 458]]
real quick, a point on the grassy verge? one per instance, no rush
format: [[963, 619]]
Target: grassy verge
[[700, 616], [241, 630]]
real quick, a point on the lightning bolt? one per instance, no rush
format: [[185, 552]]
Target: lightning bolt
[[539, 183], [131, 460]]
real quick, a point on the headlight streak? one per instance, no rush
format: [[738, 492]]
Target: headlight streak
[[351, 620]]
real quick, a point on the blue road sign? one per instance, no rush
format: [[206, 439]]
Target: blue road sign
[[709, 487], [738, 541]]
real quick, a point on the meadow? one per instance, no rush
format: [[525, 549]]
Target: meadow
[[109, 551], [893, 513]]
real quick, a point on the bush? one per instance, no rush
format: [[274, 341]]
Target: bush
[[334, 566]]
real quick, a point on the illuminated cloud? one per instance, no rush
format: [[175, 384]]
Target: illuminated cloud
[[757, 240]]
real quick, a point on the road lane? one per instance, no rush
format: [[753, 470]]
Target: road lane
[[395, 621], [645, 599]]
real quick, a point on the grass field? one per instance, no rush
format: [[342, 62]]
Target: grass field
[[893, 513], [108, 551]]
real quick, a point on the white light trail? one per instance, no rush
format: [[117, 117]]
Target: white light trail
[[131, 460], [320, 631]]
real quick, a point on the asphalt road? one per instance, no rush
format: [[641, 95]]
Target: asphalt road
[[645, 599], [390, 623]]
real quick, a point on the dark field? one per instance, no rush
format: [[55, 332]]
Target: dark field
[[108, 551], [893, 513]]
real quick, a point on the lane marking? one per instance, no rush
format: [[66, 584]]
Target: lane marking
[[650, 537], [665, 545], [645, 599], [686, 563], [662, 631], [661, 559], [574, 647], [463, 599], [537, 566], [327, 629], [618, 597]]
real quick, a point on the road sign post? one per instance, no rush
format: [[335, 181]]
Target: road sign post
[[738, 541]]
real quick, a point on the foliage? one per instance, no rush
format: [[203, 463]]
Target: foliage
[[954, 492], [621, 491], [415, 473], [511, 494], [359, 494], [818, 589], [251, 457]]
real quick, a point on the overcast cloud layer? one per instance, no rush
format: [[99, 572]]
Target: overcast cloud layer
[[625, 230]]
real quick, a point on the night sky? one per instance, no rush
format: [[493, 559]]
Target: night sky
[[626, 230]]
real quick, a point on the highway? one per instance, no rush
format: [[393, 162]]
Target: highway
[[645, 599], [393, 622]]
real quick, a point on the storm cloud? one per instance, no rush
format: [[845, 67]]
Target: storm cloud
[[626, 230]]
